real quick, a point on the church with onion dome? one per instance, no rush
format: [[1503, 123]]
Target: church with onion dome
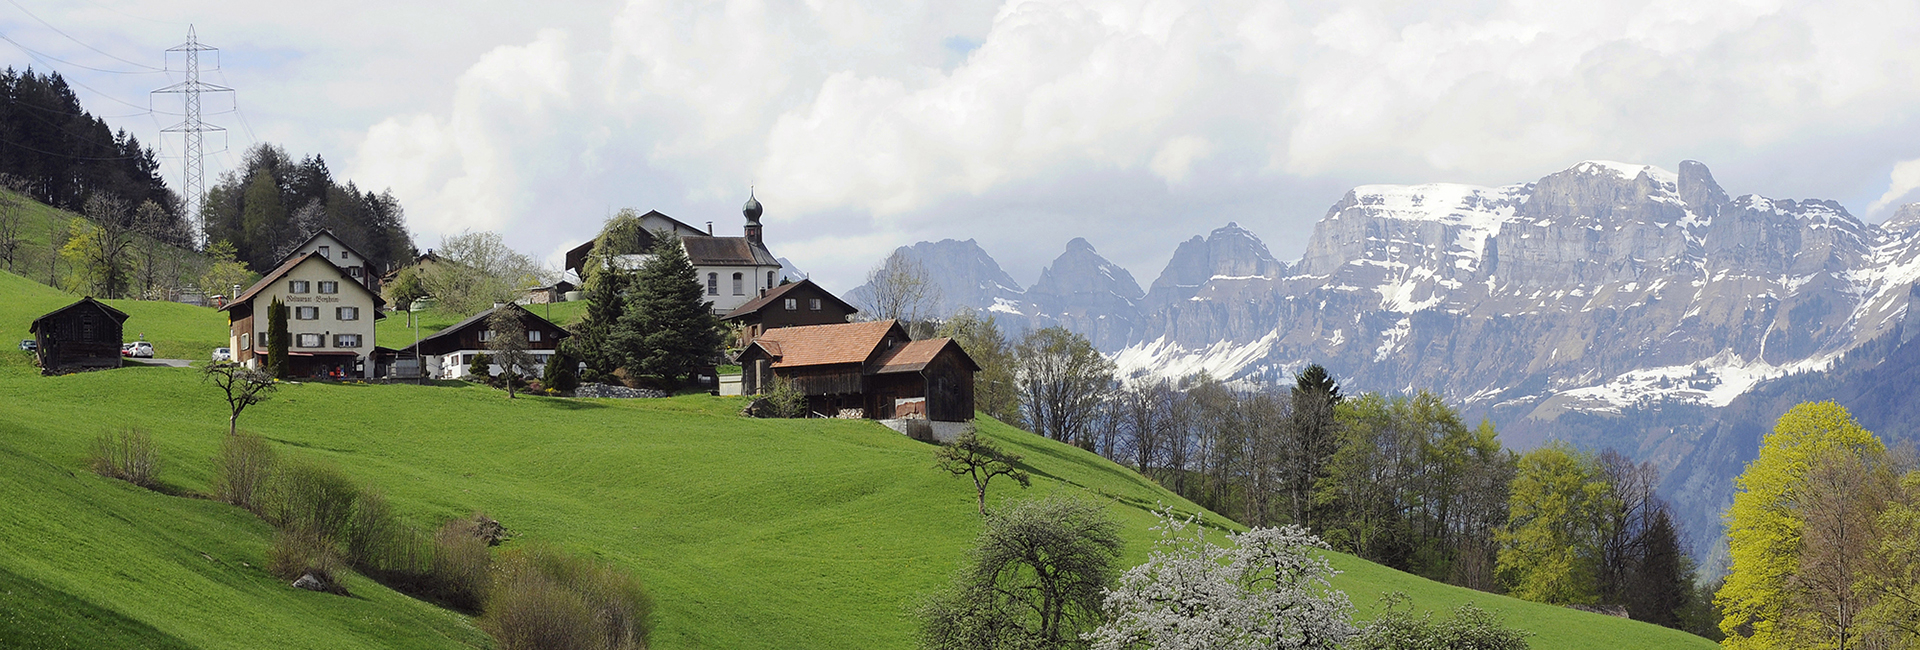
[[731, 270]]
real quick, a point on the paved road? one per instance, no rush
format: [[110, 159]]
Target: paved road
[[170, 363]]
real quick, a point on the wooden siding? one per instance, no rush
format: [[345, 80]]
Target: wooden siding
[[82, 338]]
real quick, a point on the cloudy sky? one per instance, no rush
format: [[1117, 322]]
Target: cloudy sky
[[867, 125]]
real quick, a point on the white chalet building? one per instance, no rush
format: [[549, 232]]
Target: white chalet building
[[732, 270]]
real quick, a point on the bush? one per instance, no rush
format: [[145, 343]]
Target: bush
[[1470, 628], [458, 575], [787, 400], [128, 455], [242, 469], [482, 367], [544, 599], [309, 497], [559, 374], [297, 553]]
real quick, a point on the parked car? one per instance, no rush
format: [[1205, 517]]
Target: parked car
[[140, 349], [222, 354], [29, 345], [126, 349]]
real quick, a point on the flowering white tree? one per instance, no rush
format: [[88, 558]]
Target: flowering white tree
[[1269, 589]]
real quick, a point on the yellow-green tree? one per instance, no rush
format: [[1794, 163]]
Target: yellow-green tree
[[1892, 578], [1764, 529], [1549, 549]]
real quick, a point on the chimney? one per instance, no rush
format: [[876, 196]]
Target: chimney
[[709, 229]]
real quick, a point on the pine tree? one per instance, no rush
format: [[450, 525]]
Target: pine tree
[[668, 330], [592, 341], [277, 339]]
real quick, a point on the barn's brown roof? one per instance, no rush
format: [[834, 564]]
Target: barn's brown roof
[[776, 293], [820, 345], [726, 251], [448, 338], [914, 356]]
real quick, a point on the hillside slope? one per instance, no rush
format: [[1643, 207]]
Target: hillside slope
[[750, 533]]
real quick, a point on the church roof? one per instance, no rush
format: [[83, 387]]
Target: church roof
[[727, 251]]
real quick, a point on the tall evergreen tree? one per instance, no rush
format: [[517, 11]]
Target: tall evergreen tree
[[668, 330], [592, 341], [1313, 436], [277, 336]]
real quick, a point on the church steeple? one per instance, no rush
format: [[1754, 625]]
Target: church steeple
[[752, 211]]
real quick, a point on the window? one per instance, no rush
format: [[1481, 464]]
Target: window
[[329, 286], [769, 279], [813, 304], [486, 335], [533, 336], [325, 251], [297, 286], [355, 271], [739, 285], [262, 338], [346, 255], [792, 304], [87, 331], [713, 284], [306, 313], [311, 340], [346, 340], [346, 313], [246, 341]]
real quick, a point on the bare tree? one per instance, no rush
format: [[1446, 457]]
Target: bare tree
[[972, 456], [12, 215], [509, 343], [477, 269], [1063, 382], [243, 386], [901, 289]]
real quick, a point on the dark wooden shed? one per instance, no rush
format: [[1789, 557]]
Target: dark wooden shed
[[789, 305], [82, 336]]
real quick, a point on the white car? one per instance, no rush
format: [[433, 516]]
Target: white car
[[222, 354], [140, 349]]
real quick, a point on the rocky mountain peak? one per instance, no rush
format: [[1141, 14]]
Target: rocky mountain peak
[[1905, 220], [1090, 295], [964, 273], [1699, 191], [1228, 254]]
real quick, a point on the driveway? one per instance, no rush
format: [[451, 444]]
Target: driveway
[[166, 363]]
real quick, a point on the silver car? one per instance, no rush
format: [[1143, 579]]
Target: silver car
[[222, 354]]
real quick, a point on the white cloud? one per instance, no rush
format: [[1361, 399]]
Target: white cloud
[[1903, 181], [864, 129]]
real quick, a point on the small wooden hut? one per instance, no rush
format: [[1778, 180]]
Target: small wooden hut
[[82, 336]]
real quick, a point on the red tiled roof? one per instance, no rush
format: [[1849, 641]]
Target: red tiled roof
[[818, 345], [915, 355]]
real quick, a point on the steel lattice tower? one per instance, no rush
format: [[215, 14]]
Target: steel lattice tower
[[191, 128]]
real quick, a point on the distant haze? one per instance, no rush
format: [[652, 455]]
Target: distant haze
[[871, 125]]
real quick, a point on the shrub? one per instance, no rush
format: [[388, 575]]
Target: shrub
[[1470, 628], [544, 599], [377, 542], [313, 498], [482, 367], [786, 399], [559, 374], [297, 553], [458, 575], [242, 469], [128, 455]]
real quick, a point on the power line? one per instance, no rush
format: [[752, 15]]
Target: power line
[[65, 155], [84, 44], [37, 54]]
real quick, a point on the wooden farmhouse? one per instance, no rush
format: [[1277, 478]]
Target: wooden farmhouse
[[789, 305], [449, 353], [330, 316], [870, 369], [732, 270], [82, 336]]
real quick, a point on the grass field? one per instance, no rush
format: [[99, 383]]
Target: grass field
[[396, 331], [749, 533]]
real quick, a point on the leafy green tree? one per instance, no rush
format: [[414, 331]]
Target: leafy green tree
[[225, 275], [978, 458], [1548, 551], [1036, 579], [1763, 530], [1892, 576], [277, 339], [405, 288], [476, 270], [263, 220], [668, 331]]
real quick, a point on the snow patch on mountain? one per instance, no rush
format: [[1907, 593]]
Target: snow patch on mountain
[[1714, 381], [1163, 358]]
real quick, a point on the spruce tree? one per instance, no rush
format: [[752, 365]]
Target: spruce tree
[[277, 339], [668, 330], [592, 341]]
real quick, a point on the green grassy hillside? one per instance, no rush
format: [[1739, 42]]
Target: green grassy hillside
[[749, 533], [177, 331]]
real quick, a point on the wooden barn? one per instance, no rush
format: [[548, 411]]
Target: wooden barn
[[448, 353], [789, 305], [871, 370], [82, 336]]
